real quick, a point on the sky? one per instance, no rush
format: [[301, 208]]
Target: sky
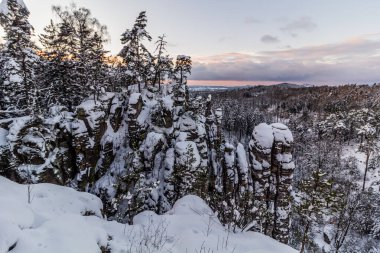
[[238, 42]]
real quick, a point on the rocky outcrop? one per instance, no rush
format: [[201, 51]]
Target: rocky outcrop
[[64, 148], [270, 153], [39, 149], [168, 147], [144, 151], [135, 125], [92, 139]]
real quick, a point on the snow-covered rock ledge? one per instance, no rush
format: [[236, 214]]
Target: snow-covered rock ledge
[[46, 218]]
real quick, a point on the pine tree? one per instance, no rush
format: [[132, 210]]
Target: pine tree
[[164, 64], [137, 59], [181, 92], [57, 77], [314, 197], [90, 36], [18, 62], [182, 68], [74, 50], [184, 174], [97, 70]]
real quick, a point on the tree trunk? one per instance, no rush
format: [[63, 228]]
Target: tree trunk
[[368, 153], [305, 237]]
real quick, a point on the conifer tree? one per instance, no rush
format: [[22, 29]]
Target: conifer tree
[[18, 62], [314, 198], [75, 53], [97, 70], [136, 57], [182, 68], [164, 63], [185, 171], [57, 77], [90, 36]]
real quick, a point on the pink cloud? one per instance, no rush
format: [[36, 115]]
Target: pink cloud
[[355, 60]]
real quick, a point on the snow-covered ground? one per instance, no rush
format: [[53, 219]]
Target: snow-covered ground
[[46, 218], [373, 173]]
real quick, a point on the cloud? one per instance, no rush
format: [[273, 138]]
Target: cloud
[[251, 20], [224, 39], [352, 61], [303, 24], [269, 39], [172, 44]]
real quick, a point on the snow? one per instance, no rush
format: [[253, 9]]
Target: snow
[[284, 158], [241, 157], [282, 133], [187, 151], [51, 222], [229, 156], [373, 175], [134, 98], [263, 137], [219, 112], [143, 116], [3, 137], [16, 126], [151, 143], [4, 6], [187, 124], [61, 220], [168, 102]]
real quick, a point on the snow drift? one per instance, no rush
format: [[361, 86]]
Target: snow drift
[[45, 218]]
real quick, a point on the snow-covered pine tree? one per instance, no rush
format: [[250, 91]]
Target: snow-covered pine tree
[[74, 48], [89, 35], [18, 62], [185, 169], [180, 90], [163, 63], [57, 78], [137, 59], [314, 198], [97, 67], [182, 68]]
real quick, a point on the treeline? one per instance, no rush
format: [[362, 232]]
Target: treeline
[[73, 63], [245, 108]]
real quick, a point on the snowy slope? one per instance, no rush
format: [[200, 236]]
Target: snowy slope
[[59, 219], [373, 174]]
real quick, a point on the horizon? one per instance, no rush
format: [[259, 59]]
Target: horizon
[[251, 41]]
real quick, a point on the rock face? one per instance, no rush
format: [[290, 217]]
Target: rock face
[[94, 129], [135, 127], [168, 154], [64, 148], [270, 153], [145, 150], [38, 150]]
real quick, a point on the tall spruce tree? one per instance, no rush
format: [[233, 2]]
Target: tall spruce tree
[[137, 59], [75, 53], [98, 69], [58, 77], [18, 63]]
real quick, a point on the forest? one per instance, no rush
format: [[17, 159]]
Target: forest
[[298, 164]]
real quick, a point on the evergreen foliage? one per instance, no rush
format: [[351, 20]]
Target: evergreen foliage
[[18, 64]]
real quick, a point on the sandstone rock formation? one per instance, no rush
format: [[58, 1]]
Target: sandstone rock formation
[[270, 153]]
